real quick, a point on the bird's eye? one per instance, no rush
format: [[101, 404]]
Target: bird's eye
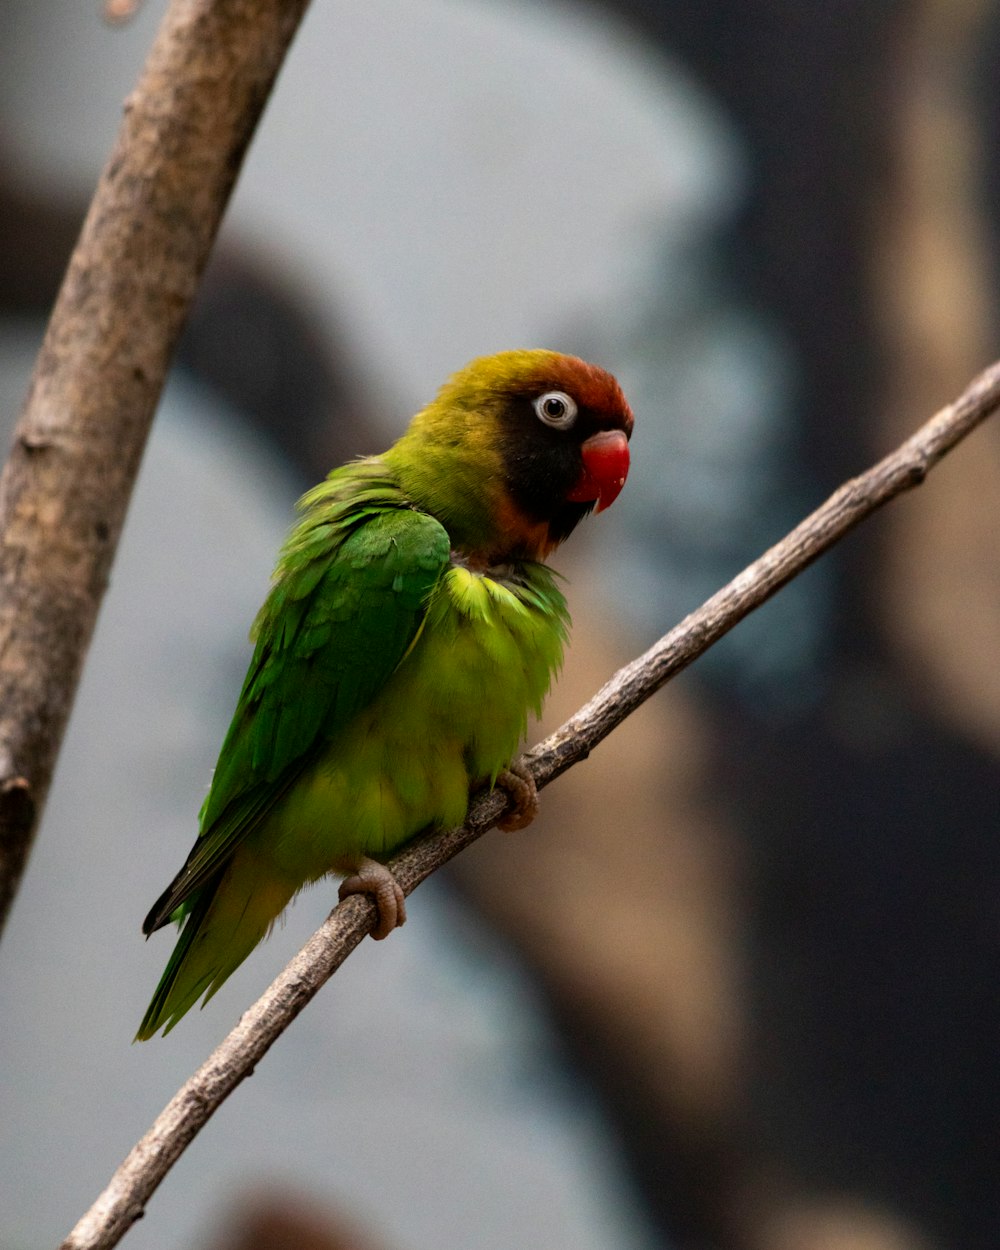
[[557, 409]]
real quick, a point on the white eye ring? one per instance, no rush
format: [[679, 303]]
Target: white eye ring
[[556, 408]]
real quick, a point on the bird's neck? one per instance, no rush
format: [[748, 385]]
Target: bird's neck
[[461, 480]]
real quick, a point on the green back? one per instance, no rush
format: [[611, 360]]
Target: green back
[[350, 590]]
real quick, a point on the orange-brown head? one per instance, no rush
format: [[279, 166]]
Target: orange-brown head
[[515, 450]]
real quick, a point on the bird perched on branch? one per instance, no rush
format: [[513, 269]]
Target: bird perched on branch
[[411, 627]]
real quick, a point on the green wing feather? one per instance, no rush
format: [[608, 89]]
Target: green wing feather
[[351, 587]]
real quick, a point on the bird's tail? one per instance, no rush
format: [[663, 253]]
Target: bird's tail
[[228, 918]]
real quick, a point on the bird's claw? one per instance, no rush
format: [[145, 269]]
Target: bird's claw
[[375, 879], [520, 785]]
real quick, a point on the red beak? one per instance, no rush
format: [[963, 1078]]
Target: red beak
[[605, 468]]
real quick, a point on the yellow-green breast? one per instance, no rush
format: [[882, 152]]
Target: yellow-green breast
[[452, 715]]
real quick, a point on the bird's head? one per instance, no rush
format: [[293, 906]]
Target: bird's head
[[515, 450]]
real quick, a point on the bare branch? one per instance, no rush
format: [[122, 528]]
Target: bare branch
[[138, 1177], [852, 503], [77, 447]]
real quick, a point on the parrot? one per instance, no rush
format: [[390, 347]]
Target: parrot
[[411, 627]]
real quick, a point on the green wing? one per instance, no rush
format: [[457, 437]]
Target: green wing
[[351, 588]]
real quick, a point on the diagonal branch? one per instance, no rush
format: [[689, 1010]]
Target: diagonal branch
[[148, 1163], [77, 446]]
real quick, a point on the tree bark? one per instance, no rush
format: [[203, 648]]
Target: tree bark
[[98, 377]]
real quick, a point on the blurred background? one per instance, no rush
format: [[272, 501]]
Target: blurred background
[[753, 1006]]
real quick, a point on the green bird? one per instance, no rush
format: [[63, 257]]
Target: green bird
[[410, 629]]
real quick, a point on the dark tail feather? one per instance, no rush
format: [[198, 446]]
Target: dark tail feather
[[161, 1011], [229, 914], [158, 916]]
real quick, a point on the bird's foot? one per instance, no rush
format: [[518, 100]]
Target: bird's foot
[[520, 785], [375, 879]]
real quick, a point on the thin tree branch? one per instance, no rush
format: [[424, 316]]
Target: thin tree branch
[[77, 447], [148, 1163]]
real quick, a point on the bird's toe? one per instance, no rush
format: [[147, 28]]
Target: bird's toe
[[375, 879], [520, 785]]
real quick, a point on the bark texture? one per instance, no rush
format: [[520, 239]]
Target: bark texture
[[78, 444]]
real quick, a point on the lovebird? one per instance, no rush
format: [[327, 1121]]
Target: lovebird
[[411, 627]]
